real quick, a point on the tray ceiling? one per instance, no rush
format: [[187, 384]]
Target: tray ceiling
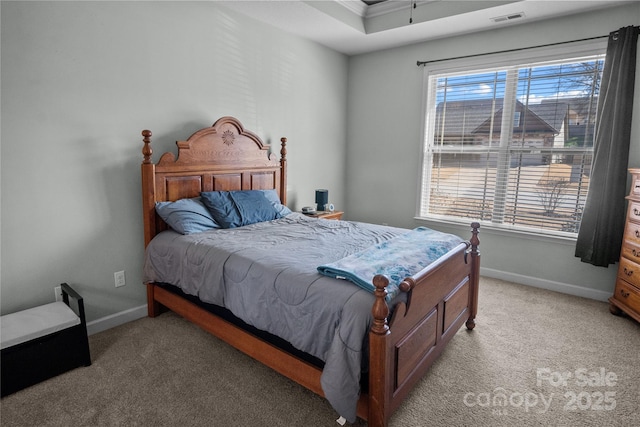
[[359, 26]]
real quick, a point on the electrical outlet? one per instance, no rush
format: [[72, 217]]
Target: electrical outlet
[[57, 291], [118, 276]]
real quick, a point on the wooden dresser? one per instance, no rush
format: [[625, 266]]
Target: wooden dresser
[[626, 296]]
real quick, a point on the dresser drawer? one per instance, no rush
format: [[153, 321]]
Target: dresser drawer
[[632, 232], [633, 213], [631, 251], [629, 271], [628, 295], [635, 182]]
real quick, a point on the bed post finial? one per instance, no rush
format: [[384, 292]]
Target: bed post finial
[[474, 236], [283, 150], [147, 151], [380, 308]]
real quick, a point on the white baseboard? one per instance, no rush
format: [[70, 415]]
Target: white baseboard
[[550, 285], [116, 319]]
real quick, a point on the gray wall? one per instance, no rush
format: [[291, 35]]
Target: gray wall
[[80, 80], [384, 147]]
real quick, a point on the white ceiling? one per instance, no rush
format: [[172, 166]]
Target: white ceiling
[[352, 27]]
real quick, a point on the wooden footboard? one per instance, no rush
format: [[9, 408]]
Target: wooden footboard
[[440, 299]]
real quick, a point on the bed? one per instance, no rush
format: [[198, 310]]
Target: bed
[[405, 329]]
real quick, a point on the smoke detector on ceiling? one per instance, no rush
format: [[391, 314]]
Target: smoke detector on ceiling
[[509, 17]]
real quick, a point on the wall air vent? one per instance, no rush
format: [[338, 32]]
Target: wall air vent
[[510, 17]]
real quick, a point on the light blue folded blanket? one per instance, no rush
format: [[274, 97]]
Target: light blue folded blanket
[[397, 259]]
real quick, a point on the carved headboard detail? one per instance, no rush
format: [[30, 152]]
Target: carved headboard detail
[[222, 157]]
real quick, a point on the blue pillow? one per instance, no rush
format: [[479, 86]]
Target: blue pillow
[[272, 196], [233, 209], [186, 216]]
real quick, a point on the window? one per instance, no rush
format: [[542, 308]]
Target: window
[[511, 145]]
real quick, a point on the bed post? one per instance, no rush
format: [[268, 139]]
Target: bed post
[[153, 307], [148, 170], [283, 171], [475, 275], [148, 189], [380, 388]]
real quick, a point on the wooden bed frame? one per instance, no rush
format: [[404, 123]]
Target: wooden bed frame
[[440, 299]]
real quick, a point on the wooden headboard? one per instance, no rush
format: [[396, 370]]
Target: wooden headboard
[[222, 157]]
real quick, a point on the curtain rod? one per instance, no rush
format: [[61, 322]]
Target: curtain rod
[[509, 50]]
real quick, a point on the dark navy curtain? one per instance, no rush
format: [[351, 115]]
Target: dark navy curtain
[[602, 226]]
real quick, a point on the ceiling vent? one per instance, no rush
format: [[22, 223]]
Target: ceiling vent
[[510, 17]]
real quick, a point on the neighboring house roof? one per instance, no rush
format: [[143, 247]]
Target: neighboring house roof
[[469, 118], [473, 117], [553, 113], [464, 117], [583, 106]]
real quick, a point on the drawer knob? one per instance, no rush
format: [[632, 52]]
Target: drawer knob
[[636, 211], [638, 233], [623, 293], [635, 253], [628, 272]]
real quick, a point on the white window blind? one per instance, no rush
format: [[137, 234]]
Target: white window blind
[[511, 146]]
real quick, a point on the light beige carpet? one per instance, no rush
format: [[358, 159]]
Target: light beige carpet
[[536, 358]]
